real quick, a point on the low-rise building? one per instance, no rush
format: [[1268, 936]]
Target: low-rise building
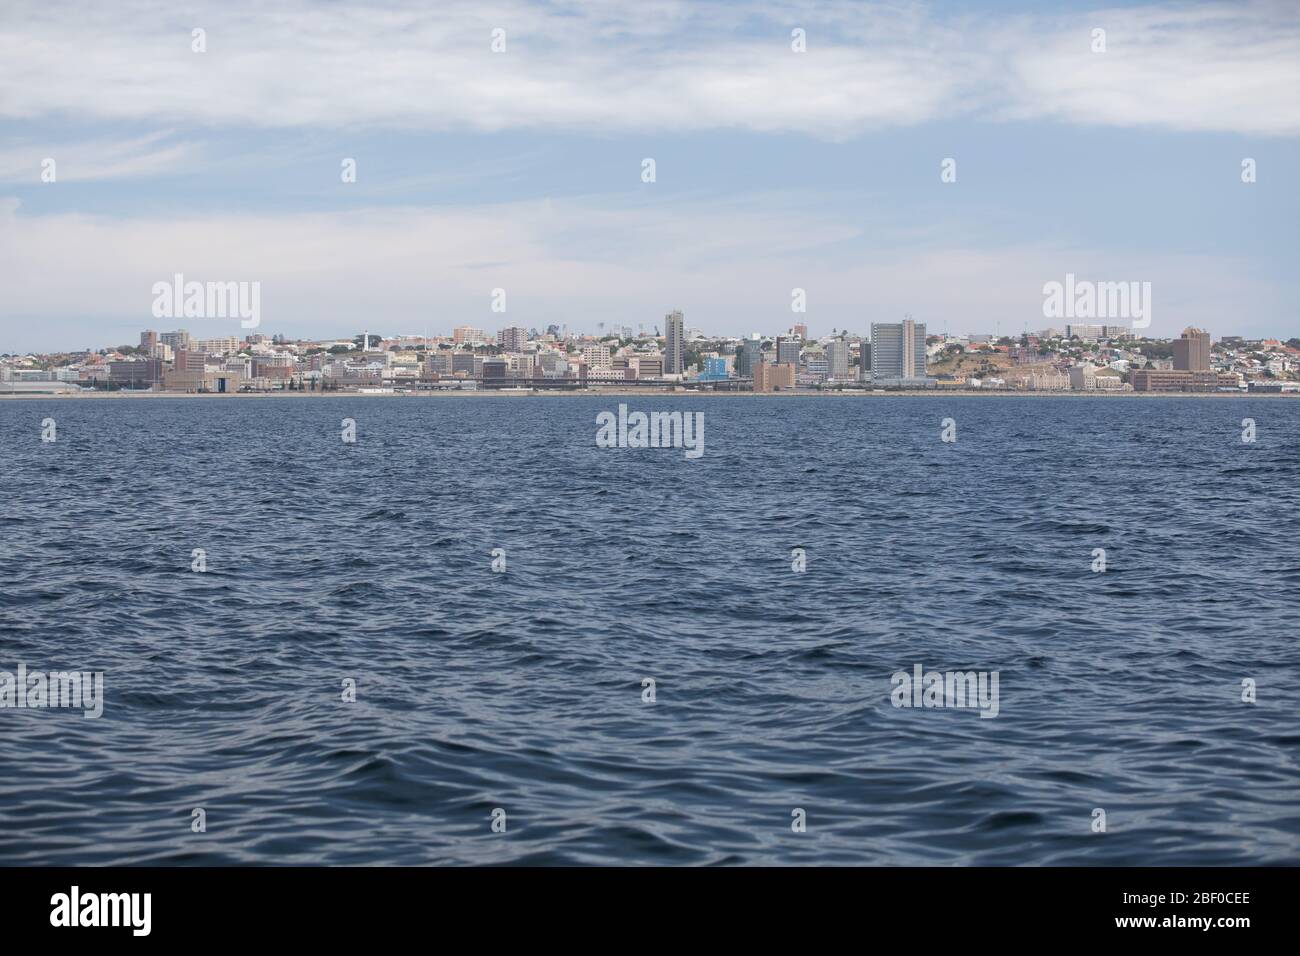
[[203, 380], [774, 377], [1169, 380], [135, 373]]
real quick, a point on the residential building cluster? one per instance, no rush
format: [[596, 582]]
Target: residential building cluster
[[894, 355]]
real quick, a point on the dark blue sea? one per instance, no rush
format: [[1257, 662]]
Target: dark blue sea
[[523, 690]]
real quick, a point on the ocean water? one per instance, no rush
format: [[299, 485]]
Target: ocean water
[[522, 690]]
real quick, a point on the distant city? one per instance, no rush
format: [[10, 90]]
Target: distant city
[[893, 356]]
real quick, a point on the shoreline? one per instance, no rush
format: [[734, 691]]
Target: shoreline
[[627, 393]]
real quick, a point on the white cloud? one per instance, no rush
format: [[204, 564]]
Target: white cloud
[[621, 67], [1210, 68], [730, 265], [97, 159], [648, 66]]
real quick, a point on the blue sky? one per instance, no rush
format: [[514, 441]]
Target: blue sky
[[522, 169]]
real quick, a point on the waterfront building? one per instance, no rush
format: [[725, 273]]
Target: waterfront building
[[674, 344], [648, 366], [240, 365], [135, 373], [1045, 380], [837, 360], [715, 370], [747, 357], [1160, 380], [202, 380], [1083, 378], [898, 353], [437, 363], [465, 363], [1192, 351], [774, 377]]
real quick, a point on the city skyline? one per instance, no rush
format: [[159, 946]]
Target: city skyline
[[512, 337], [900, 356]]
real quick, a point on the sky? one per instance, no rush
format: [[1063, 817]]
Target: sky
[[523, 169]]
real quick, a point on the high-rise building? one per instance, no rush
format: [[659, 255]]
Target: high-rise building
[[864, 359], [512, 339], [787, 349], [1192, 351], [837, 360], [898, 352], [747, 356], [180, 339], [675, 343], [148, 339], [801, 331]]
